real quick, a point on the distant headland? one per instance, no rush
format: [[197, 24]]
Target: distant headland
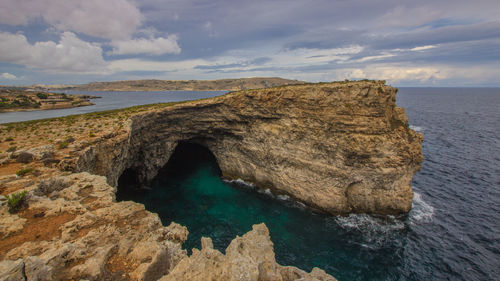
[[18, 99], [175, 85]]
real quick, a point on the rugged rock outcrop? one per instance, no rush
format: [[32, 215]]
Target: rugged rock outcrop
[[338, 147], [74, 230], [250, 257]]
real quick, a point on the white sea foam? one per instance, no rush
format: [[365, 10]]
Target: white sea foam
[[421, 210], [241, 182], [369, 223], [417, 128], [268, 192], [375, 231], [299, 205], [283, 197]]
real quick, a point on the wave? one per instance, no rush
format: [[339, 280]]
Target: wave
[[283, 197], [266, 191], [241, 183], [367, 223], [416, 128], [374, 232], [421, 211]]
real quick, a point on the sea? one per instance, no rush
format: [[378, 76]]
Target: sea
[[451, 233], [108, 101]]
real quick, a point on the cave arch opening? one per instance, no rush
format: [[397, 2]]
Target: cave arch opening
[[188, 157]]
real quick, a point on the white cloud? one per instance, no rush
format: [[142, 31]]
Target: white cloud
[[69, 55], [111, 19], [235, 60], [422, 48], [370, 58], [394, 73], [152, 46], [8, 76]]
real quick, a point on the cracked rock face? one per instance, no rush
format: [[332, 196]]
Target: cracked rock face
[[337, 147]]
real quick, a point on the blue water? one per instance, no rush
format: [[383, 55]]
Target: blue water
[[109, 100], [452, 232]]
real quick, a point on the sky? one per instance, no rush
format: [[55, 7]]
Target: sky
[[408, 43]]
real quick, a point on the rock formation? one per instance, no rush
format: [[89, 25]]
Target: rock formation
[[337, 147], [74, 229], [250, 257]]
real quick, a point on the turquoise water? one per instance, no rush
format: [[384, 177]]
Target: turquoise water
[[189, 191]]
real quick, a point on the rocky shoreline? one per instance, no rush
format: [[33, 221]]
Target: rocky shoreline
[[17, 100], [338, 147]]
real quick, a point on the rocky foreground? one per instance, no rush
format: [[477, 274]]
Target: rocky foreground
[[73, 229], [337, 147]]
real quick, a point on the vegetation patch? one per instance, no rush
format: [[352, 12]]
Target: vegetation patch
[[11, 149], [63, 145], [15, 201], [24, 171]]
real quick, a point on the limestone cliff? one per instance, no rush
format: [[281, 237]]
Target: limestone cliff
[[338, 147]]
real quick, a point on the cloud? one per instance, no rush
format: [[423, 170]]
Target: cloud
[[447, 34], [152, 46], [208, 26], [406, 16], [396, 73], [422, 48], [110, 19], [149, 65], [69, 55], [377, 57], [8, 76], [253, 62]]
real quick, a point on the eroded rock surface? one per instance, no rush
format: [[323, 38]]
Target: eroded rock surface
[[250, 257], [74, 229], [337, 147]]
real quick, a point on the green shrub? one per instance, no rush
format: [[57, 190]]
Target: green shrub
[[9, 139], [12, 149], [24, 171], [69, 139], [15, 201], [63, 145], [42, 95], [91, 135]]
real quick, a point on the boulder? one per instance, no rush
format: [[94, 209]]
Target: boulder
[[12, 270], [24, 157]]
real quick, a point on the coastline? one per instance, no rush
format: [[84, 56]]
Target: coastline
[[69, 167]]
